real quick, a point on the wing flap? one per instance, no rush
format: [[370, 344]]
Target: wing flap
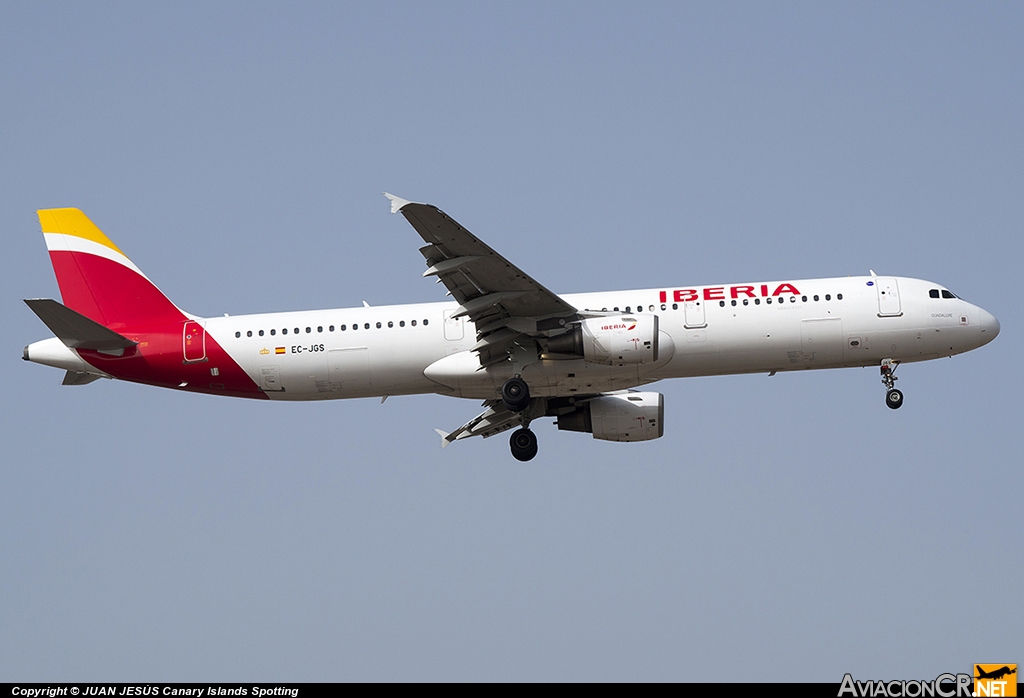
[[494, 420]]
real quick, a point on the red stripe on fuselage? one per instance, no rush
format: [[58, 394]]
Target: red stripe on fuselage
[[159, 360]]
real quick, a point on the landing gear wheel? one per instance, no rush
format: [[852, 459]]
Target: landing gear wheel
[[524, 444], [515, 394], [894, 399]]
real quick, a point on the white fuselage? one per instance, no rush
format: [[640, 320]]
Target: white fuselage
[[712, 330]]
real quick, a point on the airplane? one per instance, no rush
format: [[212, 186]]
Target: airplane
[[503, 338], [996, 674]]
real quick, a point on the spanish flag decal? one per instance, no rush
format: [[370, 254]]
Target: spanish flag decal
[[279, 350]]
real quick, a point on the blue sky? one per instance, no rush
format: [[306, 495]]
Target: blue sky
[[790, 528]]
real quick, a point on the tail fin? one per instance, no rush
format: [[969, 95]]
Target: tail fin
[[96, 279]]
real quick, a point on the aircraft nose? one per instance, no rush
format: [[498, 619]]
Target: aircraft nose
[[989, 327]]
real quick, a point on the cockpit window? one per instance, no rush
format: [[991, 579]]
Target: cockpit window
[[934, 293], [947, 294]]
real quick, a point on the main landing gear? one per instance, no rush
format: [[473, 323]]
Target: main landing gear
[[524, 444], [893, 397], [515, 395]]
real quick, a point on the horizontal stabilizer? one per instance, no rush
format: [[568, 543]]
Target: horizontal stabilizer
[[79, 378], [76, 330]]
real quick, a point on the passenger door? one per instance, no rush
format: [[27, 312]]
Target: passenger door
[[193, 341], [888, 297]]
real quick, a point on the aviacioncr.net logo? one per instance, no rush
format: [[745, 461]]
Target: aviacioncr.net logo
[[943, 686]]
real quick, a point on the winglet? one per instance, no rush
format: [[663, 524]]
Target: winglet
[[444, 437], [396, 202]]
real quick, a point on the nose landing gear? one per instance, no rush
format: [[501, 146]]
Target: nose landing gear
[[893, 397]]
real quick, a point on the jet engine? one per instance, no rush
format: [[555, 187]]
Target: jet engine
[[621, 417], [615, 340]]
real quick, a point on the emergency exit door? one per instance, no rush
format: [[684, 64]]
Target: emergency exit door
[[693, 314]]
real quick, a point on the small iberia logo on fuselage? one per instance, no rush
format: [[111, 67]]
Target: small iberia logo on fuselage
[[264, 351]]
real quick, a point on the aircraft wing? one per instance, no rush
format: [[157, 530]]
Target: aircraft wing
[[504, 302], [494, 420]]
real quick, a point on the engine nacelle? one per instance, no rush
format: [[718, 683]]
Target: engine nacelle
[[616, 340], [625, 417]]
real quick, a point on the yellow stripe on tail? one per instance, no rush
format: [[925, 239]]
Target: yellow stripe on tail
[[71, 221]]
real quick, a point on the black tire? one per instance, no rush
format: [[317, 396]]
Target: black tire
[[523, 443], [515, 394], [894, 399]]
